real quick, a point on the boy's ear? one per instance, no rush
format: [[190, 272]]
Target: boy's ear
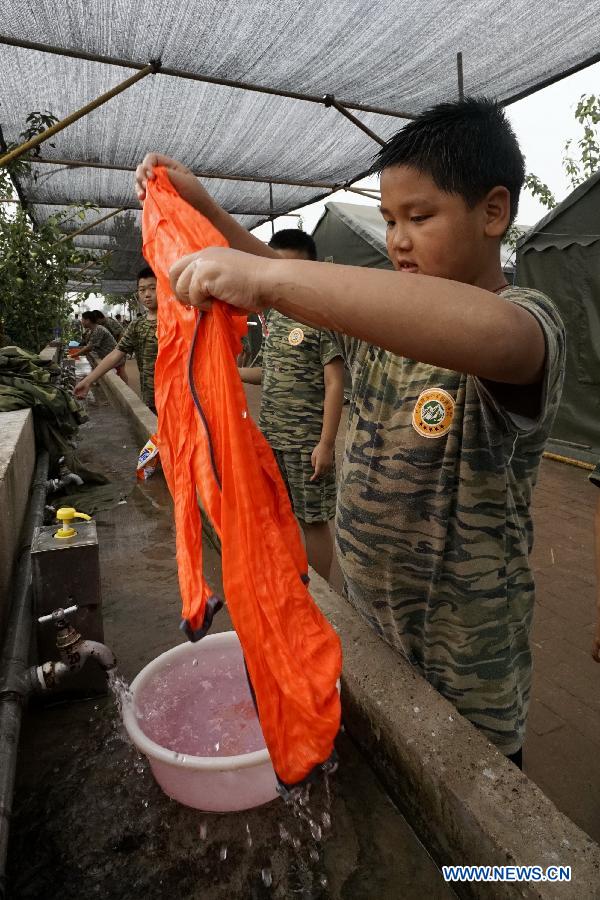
[[497, 211]]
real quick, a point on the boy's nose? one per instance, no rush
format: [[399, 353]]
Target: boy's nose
[[400, 240]]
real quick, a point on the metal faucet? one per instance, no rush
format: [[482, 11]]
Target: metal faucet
[[74, 651]]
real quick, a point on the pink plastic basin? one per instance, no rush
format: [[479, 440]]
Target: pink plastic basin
[[192, 715]]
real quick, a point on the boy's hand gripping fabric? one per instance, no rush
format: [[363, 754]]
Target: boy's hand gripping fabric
[[211, 450]]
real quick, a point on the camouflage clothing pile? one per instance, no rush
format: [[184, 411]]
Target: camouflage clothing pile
[[140, 338], [26, 383], [433, 523]]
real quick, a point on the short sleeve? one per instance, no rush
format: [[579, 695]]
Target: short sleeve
[[328, 348], [547, 316], [348, 348], [127, 342]]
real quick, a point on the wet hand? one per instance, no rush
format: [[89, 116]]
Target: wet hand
[[321, 460], [145, 171], [221, 274], [81, 390]]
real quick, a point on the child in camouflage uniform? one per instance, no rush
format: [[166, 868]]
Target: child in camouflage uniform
[[99, 340], [456, 380], [302, 378], [139, 338]]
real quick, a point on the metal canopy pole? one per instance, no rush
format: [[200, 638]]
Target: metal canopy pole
[[271, 208], [459, 73], [78, 114], [232, 212], [192, 76], [329, 100], [87, 227], [365, 192], [222, 176]]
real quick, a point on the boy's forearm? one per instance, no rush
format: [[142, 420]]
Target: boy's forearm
[[191, 190], [434, 320], [251, 375], [333, 401], [112, 360]]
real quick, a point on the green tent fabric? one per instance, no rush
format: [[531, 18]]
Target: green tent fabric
[[352, 234], [561, 257]]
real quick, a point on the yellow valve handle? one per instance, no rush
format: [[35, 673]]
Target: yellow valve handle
[[65, 515]]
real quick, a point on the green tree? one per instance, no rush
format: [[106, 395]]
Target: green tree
[[35, 263]]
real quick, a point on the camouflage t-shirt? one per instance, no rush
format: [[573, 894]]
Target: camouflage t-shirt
[[293, 383], [101, 341], [112, 325], [433, 523], [140, 338]]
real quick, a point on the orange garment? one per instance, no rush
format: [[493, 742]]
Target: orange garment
[[213, 447]]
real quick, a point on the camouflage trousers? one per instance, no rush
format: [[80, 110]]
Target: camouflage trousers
[[312, 501]]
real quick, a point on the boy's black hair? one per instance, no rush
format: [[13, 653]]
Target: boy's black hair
[[467, 147], [145, 272], [90, 314], [98, 314], [294, 239]]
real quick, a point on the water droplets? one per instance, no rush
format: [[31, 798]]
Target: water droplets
[[223, 853], [326, 820], [249, 840], [194, 661], [203, 831], [267, 877]]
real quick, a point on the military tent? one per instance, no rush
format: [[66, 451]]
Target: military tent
[[561, 257]]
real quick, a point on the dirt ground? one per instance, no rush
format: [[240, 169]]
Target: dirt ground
[[90, 821]]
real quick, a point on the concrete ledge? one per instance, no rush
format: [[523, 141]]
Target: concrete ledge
[[468, 804], [17, 461], [51, 353]]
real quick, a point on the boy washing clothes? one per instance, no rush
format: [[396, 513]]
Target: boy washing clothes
[[456, 380], [139, 338], [302, 376]]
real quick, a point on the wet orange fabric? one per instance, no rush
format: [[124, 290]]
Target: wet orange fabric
[[292, 654]]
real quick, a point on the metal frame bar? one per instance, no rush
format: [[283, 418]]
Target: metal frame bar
[[361, 107], [17, 152], [329, 100], [373, 193], [222, 176], [460, 76], [192, 76]]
